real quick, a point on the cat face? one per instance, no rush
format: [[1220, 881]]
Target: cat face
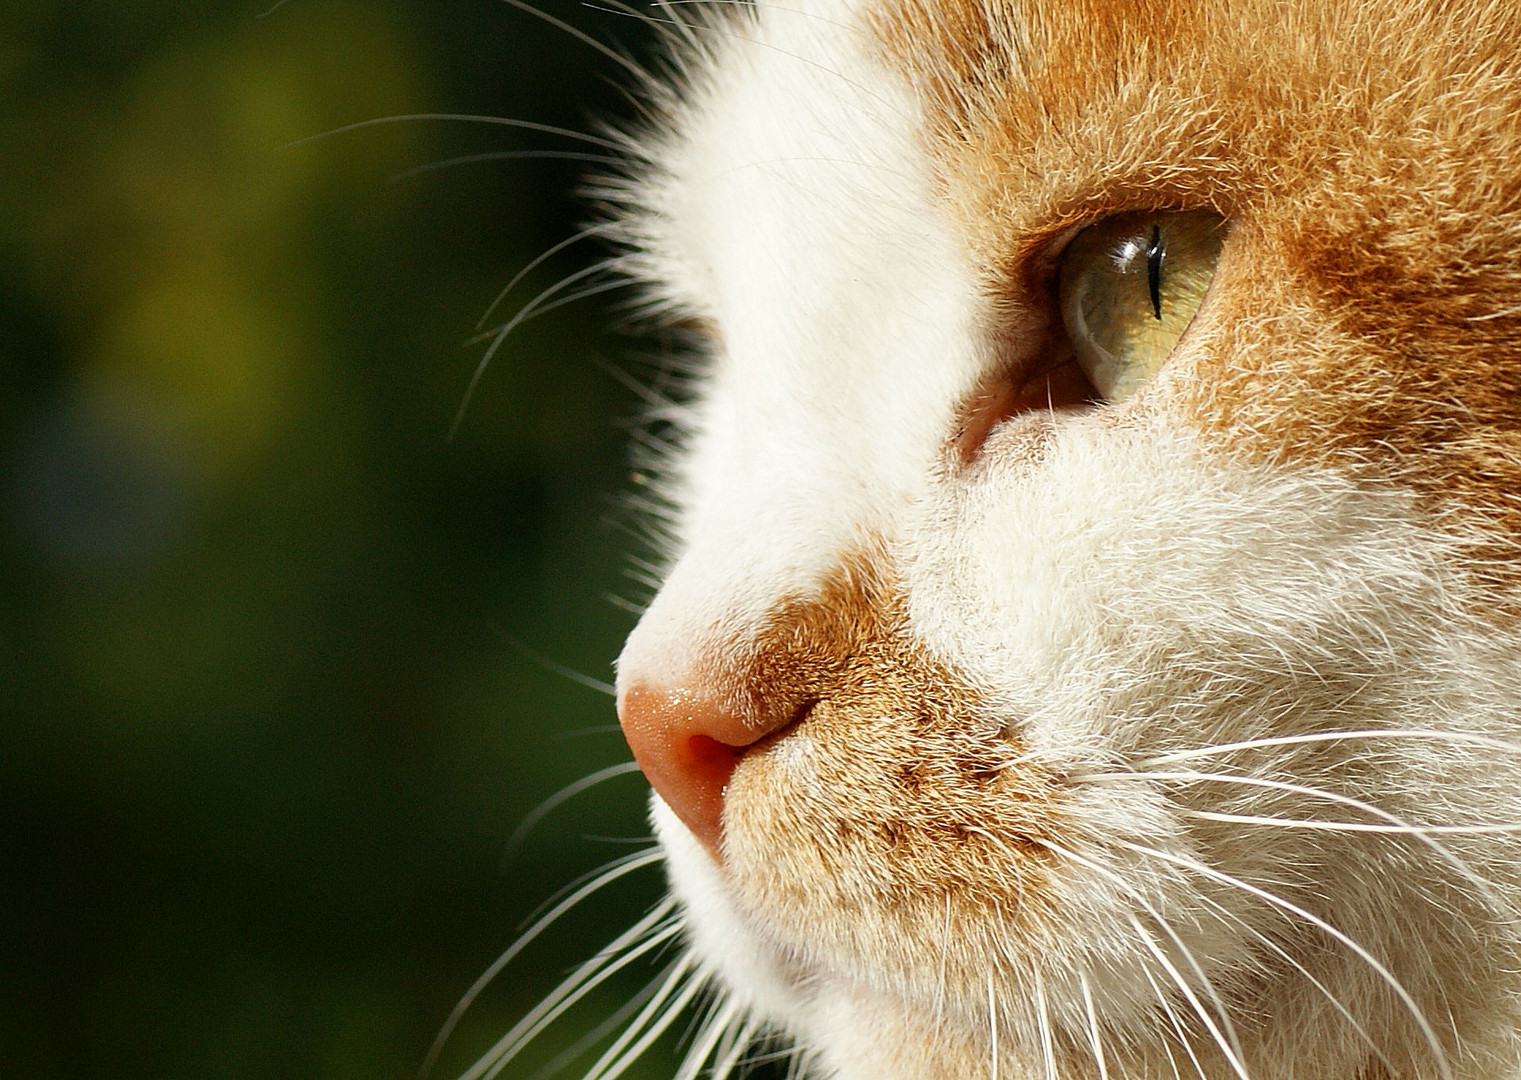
[[1091, 647]]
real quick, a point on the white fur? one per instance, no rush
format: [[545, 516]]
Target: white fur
[[1125, 594]]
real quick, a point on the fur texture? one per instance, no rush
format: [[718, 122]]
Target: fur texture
[[1163, 738]]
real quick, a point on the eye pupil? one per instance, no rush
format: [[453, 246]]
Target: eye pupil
[[1112, 300], [1154, 270]]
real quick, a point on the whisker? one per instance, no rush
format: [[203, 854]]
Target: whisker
[[612, 54], [581, 982], [1310, 917], [660, 26], [1043, 1027], [654, 852], [534, 307], [945, 947], [682, 969], [1403, 827], [648, 394], [1356, 826], [1093, 1028], [469, 118], [1177, 1027], [569, 791], [506, 155], [992, 1030], [678, 21], [555, 666], [614, 870], [1228, 1042], [593, 290], [668, 979], [582, 234], [736, 1042], [632, 607], [712, 1032], [1455, 737], [1231, 1052], [554, 1066], [1325, 991]]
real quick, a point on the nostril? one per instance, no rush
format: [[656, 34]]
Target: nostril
[[688, 748], [800, 713], [712, 756]]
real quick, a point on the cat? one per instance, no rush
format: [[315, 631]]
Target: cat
[[1091, 644]]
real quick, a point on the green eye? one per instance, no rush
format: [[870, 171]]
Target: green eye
[[1129, 286]]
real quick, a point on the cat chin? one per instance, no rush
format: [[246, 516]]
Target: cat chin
[[839, 1030], [843, 1030]]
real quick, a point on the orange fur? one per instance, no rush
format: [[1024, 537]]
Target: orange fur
[[1369, 312]]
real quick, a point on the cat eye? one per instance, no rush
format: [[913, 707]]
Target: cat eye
[[1129, 286]]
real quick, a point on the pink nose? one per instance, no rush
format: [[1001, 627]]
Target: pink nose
[[688, 746]]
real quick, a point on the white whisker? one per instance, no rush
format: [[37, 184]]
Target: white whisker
[[581, 981], [1227, 1039], [569, 791], [1335, 1002], [614, 870], [992, 1030], [678, 20], [708, 1038], [1178, 1029], [612, 54], [563, 670], [1093, 1026], [737, 1040], [1454, 737], [498, 121], [581, 234], [505, 155], [555, 1065], [1043, 1027], [1228, 1046], [534, 307], [1401, 826], [1289, 906], [945, 948], [1356, 826], [609, 1069], [653, 854], [572, 989]]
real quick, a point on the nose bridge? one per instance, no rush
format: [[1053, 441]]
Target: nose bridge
[[697, 686]]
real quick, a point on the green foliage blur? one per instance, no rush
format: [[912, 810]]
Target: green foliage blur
[[279, 660]]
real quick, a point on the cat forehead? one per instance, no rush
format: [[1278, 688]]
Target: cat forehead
[[1038, 112]]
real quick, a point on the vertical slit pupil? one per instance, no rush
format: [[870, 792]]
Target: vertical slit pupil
[[1154, 269]]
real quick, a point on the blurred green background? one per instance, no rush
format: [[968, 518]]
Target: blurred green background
[[269, 703]]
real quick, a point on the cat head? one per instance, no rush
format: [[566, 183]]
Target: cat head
[[1090, 645]]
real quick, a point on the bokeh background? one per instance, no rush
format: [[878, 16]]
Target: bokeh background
[[280, 661]]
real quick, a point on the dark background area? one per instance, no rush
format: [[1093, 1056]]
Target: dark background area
[[272, 690]]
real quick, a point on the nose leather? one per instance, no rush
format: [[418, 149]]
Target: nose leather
[[688, 745]]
